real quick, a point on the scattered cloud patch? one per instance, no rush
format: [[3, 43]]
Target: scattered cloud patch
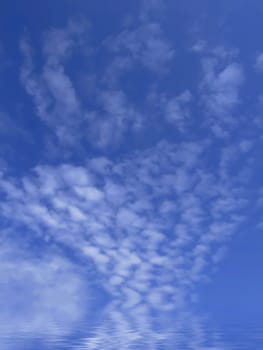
[[220, 87], [259, 62]]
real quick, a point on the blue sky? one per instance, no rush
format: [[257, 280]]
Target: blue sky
[[130, 173]]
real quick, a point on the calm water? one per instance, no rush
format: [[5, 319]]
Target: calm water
[[195, 335]]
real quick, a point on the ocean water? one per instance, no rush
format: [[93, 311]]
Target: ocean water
[[188, 334]]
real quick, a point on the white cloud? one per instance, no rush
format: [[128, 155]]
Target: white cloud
[[177, 109], [259, 62], [52, 90], [109, 113], [135, 220], [220, 87], [40, 296], [116, 116], [59, 104], [146, 45]]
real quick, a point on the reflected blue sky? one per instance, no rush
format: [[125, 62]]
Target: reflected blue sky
[[130, 175]]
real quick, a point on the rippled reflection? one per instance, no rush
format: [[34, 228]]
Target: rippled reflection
[[133, 330]]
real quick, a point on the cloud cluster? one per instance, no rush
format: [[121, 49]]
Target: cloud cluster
[[110, 113], [152, 225], [145, 45]]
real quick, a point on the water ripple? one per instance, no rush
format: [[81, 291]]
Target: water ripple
[[195, 337]]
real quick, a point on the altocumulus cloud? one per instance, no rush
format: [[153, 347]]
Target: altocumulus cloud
[[152, 225], [146, 182]]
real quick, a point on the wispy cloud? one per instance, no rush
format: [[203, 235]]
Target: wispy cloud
[[110, 123], [145, 45], [52, 90], [110, 114], [59, 105], [32, 288], [220, 87], [259, 62]]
